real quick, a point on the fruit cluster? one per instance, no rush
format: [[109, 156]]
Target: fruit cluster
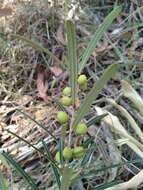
[[63, 118]]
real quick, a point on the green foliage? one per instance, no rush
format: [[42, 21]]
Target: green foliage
[[21, 171], [64, 174], [72, 57], [4, 184], [97, 36], [92, 95]]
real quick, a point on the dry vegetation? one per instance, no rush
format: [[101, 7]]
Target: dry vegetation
[[31, 81]]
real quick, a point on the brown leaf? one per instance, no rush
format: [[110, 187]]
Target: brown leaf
[[24, 100], [2, 126], [5, 12], [101, 49], [60, 34], [56, 70], [42, 90], [41, 114]]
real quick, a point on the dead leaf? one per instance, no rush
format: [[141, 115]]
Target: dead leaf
[[60, 34], [5, 12], [130, 93], [2, 126], [56, 70], [24, 100], [102, 48], [42, 75], [41, 114], [42, 90]]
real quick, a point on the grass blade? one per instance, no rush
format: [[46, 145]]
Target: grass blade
[[36, 122], [72, 57], [100, 31], [55, 170], [95, 119], [20, 138], [36, 46], [107, 185], [20, 170], [92, 95], [61, 147], [88, 154], [31, 145]]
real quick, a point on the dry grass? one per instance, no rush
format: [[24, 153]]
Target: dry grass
[[18, 68]]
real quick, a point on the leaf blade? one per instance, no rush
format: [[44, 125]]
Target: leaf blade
[[55, 170], [92, 95], [36, 45], [20, 170], [92, 45], [72, 57]]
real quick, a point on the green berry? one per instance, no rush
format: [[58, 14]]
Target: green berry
[[57, 157], [62, 117], [78, 151], [82, 79], [66, 101], [81, 129], [67, 91], [67, 153]]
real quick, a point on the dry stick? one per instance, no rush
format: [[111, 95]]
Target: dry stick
[[133, 183]]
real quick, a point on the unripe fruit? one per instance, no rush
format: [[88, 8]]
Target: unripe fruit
[[57, 157], [78, 151], [67, 153], [62, 117], [81, 129], [67, 91], [66, 101], [82, 79]]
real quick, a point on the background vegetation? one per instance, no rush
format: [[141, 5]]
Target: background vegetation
[[44, 46]]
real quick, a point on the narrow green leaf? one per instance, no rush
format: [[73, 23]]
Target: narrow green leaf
[[36, 122], [107, 185], [21, 171], [55, 170], [88, 142], [60, 105], [105, 168], [88, 154], [95, 119], [72, 57], [100, 31], [61, 144], [92, 95], [66, 178], [36, 46], [20, 138]]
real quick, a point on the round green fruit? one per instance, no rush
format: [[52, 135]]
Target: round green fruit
[[62, 117], [66, 101], [82, 79], [67, 153], [57, 157], [78, 151], [67, 91], [81, 129]]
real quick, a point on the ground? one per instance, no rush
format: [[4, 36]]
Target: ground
[[31, 83]]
